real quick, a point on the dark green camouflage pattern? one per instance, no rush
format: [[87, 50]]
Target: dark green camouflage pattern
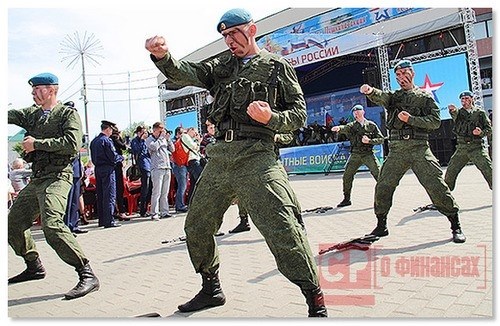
[[470, 148], [272, 208], [355, 132], [59, 136], [414, 154], [234, 85], [247, 169], [361, 153], [356, 160]]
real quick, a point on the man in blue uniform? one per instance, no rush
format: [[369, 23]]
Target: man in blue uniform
[[143, 159], [72, 216], [105, 158]]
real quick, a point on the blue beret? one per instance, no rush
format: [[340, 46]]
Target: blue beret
[[403, 64], [357, 107], [45, 78], [233, 17], [465, 93]]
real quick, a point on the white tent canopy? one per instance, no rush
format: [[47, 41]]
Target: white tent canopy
[[183, 92]]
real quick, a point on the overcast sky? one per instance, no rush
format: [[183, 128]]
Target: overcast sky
[[37, 41], [38, 31]]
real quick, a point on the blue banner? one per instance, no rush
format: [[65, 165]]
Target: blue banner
[[319, 38], [322, 158]]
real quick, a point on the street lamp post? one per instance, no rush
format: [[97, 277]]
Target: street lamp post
[[74, 49], [103, 102]]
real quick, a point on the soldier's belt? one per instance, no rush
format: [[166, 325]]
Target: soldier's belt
[[231, 130], [407, 134]]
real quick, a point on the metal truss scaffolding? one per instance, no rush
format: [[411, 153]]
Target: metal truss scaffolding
[[468, 19]]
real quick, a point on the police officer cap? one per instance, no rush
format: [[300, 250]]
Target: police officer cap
[[357, 107], [45, 78], [233, 17], [465, 93], [71, 104], [403, 64], [108, 123]]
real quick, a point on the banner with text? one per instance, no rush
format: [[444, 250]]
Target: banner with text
[[322, 158], [321, 37]]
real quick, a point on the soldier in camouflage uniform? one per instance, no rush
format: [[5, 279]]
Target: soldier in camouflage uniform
[[472, 127], [362, 134], [280, 141], [52, 140], [411, 115], [256, 95]]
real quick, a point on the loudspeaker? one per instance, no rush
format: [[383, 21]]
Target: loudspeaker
[[443, 142]]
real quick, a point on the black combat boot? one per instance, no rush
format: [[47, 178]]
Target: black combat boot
[[33, 271], [381, 228], [210, 295], [345, 202], [316, 303], [243, 226], [456, 231], [88, 283]]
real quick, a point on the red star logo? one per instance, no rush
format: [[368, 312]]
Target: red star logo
[[431, 88]]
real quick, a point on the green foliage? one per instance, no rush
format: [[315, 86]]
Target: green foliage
[[18, 148], [130, 131]]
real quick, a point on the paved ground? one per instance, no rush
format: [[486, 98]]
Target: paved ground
[[415, 272]]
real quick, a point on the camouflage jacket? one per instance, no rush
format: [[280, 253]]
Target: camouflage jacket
[[466, 122], [58, 137], [425, 114], [355, 132], [234, 85]]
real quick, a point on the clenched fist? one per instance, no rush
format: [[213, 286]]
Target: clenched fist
[[157, 46]]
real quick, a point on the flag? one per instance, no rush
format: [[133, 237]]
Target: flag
[[328, 119]]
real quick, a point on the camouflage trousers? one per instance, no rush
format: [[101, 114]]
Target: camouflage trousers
[[248, 170], [465, 153], [415, 155], [297, 210], [46, 197], [355, 161]]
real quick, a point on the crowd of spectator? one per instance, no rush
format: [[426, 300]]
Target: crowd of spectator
[[315, 134]]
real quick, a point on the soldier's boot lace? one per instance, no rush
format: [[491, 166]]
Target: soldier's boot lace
[[210, 295], [243, 226], [456, 230], [345, 202], [34, 271], [88, 283], [381, 228], [316, 303]]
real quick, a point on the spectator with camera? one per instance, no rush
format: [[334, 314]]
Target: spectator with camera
[[179, 164], [160, 146], [143, 159]]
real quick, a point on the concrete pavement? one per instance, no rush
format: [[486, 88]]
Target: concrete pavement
[[414, 272]]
